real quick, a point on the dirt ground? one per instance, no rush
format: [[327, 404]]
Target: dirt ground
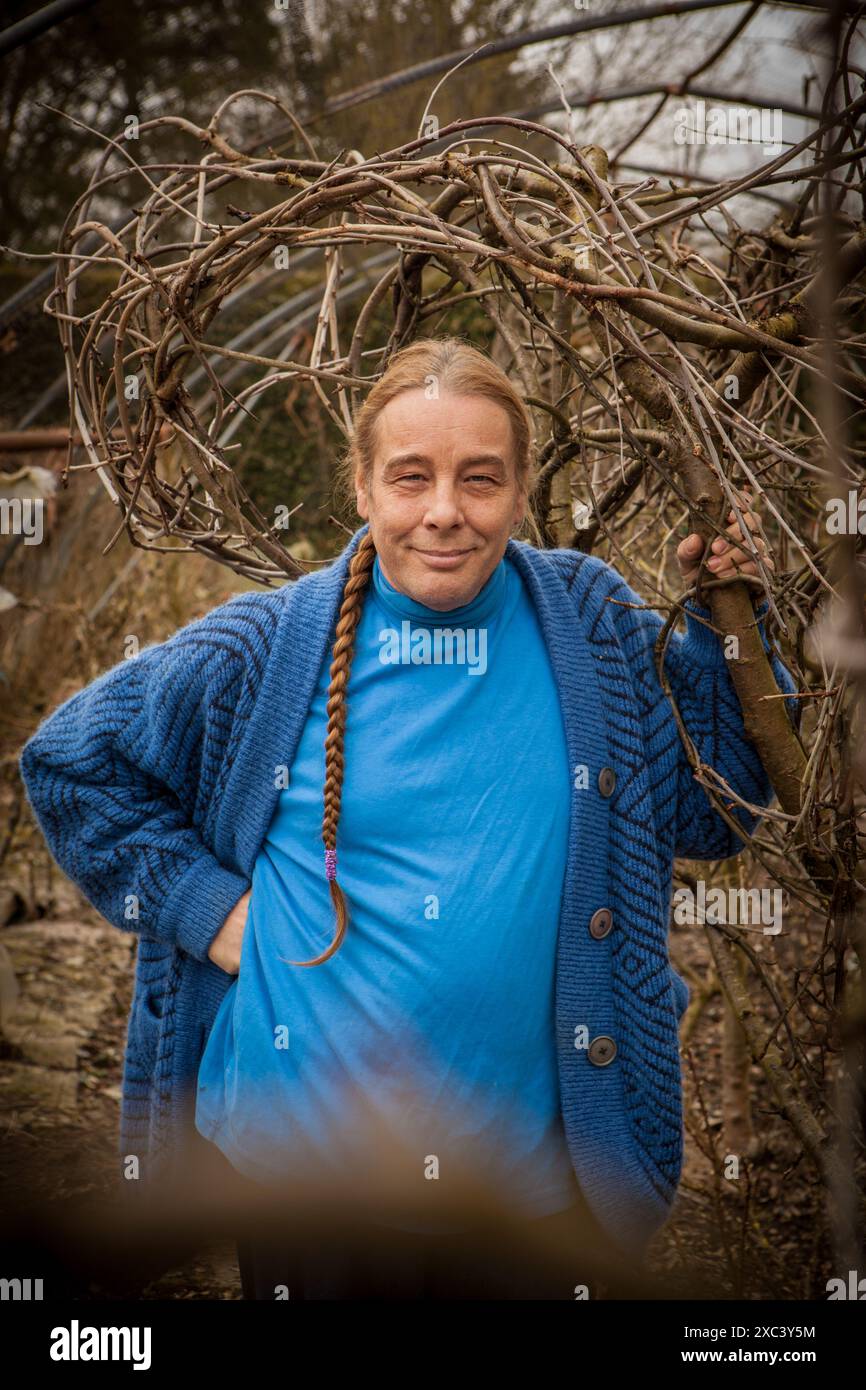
[[61, 1052]]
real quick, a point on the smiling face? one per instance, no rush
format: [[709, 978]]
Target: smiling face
[[443, 496]]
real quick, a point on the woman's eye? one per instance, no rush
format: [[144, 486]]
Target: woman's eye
[[470, 478]]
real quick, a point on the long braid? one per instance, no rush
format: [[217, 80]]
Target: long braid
[[347, 625]]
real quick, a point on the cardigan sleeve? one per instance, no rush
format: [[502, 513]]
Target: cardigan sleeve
[[113, 777], [700, 681]]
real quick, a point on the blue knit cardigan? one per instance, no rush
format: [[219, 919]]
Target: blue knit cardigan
[[155, 787]]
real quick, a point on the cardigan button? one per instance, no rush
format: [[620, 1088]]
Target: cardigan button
[[601, 1051], [600, 923], [606, 781]]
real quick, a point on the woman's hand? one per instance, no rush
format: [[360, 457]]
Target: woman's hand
[[225, 949], [727, 560]]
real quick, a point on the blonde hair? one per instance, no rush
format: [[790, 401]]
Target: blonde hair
[[456, 366]]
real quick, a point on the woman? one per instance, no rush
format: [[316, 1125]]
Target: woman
[[474, 731]]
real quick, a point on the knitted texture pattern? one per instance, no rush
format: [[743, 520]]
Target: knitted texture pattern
[[682, 822], [156, 784]]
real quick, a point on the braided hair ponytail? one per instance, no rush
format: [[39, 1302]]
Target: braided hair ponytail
[[360, 570]]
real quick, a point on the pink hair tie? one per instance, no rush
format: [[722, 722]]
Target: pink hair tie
[[331, 863]]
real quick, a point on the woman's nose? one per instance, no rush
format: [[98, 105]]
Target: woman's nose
[[444, 506]]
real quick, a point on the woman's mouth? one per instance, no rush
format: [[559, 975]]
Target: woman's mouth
[[444, 559]]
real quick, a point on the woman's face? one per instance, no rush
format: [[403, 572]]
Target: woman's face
[[443, 496]]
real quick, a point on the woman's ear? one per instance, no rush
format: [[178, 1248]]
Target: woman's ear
[[361, 502], [519, 512]]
